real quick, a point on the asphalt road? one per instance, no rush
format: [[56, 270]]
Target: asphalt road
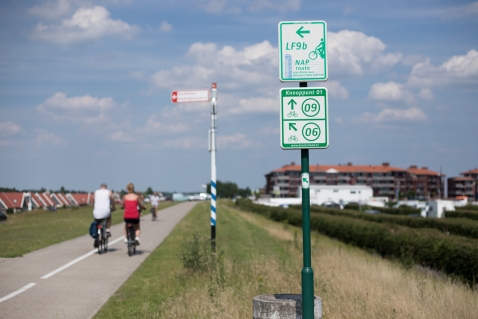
[[70, 279]]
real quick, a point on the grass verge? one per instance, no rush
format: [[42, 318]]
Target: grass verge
[[264, 257], [29, 231]]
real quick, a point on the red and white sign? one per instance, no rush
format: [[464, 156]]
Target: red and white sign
[[190, 96]]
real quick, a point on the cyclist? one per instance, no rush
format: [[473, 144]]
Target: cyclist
[[132, 206], [104, 204], [154, 204]]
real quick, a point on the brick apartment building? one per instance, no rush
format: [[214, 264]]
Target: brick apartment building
[[384, 179], [464, 185]]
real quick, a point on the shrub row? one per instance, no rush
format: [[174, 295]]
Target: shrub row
[[454, 255], [462, 214], [459, 227]]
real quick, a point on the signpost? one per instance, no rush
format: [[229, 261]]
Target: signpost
[[190, 96], [304, 118], [303, 51], [212, 149], [205, 96]]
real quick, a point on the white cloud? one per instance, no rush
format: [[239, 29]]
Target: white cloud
[[462, 11], [85, 24], [284, 5], [86, 102], [214, 6], [45, 138], [138, 75], [121, 136], [52, 9], [412, 114], [390, 91], [253, 65], [165, 26], [459, 69], [354, 53], [235, 141], [84, 109], [255, 105], [154, 126], [426, 94], [336, 90], [189, 143], [9, 128]]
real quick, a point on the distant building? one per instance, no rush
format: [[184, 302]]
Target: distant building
[[461, 186], [12, 200], [338, 194], [464, 185], [385, 180]]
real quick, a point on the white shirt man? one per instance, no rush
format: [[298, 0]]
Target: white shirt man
[[154, 204], [154, 200], [103, 202]]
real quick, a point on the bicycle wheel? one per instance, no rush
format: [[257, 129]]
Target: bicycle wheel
[[313, 55], [131, 245], [105, 242], [130, 249], [100, 241]]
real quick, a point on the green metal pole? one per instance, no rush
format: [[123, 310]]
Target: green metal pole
[[307, 271]]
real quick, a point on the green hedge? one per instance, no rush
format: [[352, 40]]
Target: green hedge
[[461, 214], [460, 227], [470, 207], [454, 255]]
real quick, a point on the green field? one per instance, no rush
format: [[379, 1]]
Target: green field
[[29, 231], [265, 257]]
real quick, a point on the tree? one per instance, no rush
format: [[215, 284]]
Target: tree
[[149, 191], [62, 190], [229, 190]]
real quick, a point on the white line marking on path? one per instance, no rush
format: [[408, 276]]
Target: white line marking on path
[[71, 263], [19, 291]]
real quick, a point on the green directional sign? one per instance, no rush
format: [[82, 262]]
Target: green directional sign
[[303, 51], [303, 118]]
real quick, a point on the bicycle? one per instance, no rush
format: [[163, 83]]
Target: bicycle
[[292, 113], [102, 240], [319, 51], [131, 234], [293, 138]]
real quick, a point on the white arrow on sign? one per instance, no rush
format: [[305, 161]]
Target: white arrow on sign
[[190, 96]]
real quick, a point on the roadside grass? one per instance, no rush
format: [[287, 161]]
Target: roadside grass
[[265, 257], [28, 231]]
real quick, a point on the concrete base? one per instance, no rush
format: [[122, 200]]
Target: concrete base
[[282, 306]]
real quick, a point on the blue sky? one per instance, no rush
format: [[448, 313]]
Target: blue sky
[[85, 89]]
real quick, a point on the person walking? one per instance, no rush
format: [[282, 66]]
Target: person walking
[[103, 203], [132, 205], [154, 204]]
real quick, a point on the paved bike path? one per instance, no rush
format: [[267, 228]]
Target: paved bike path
[[80, 289]]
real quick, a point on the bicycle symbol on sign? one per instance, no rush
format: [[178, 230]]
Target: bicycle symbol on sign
[[319, 51], [292, 114], [293, 138]]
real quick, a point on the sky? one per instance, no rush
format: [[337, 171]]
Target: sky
[[85, 89]]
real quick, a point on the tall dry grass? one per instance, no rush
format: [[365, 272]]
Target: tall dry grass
[[355, 284]]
